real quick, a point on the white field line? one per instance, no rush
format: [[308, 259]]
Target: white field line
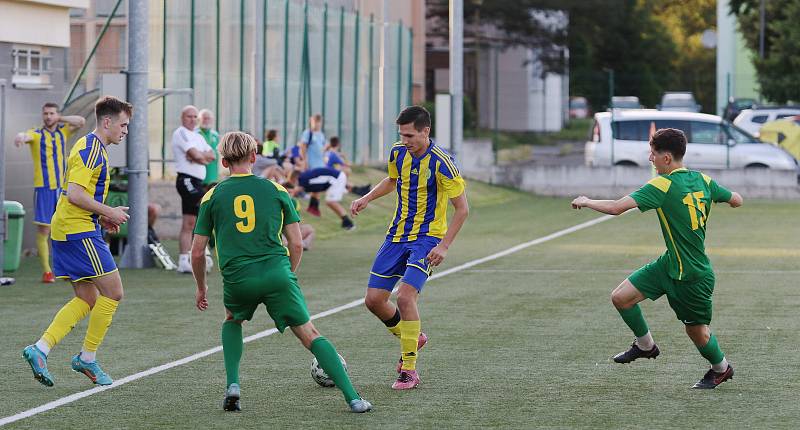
[[629, 270], [152, 371]]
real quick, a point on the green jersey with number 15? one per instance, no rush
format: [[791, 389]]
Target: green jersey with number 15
[[246, 215], [683, 200]]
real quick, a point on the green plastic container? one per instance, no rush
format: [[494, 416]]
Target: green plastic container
[[12, 243]]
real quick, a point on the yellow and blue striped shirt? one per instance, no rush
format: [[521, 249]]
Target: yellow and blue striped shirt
[[88, 167], [424, 185], [49, 154]]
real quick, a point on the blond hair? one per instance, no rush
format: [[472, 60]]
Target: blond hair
[[236, 146]]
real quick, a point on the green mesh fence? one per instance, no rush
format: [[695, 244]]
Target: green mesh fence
[[317, 59]]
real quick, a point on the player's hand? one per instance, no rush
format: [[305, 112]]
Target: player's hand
[[579, 202], [201, 301], [119, 215], [108, 225], [358, 205], [437, 255]]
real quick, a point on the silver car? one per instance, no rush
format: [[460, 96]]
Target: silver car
[[678, 102], [621, 138]]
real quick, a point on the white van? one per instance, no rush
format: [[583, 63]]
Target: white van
[[712, 142], [751, 120]]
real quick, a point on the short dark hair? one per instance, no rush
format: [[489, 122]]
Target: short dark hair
[[272, 134], [334, 141], [670, 140], [112, 106], [415, 114], [50, 105]]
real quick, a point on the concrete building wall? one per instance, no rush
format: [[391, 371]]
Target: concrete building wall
[[24, 107], [24, 21]]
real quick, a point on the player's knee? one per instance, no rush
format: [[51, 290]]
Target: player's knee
[[406, 300], [699, 334], [618, 300], [374, 303]]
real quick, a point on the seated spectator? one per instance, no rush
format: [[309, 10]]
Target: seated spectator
[[271, 148], [334, 159]]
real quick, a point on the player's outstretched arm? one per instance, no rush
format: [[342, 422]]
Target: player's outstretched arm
[[294, 239], [199, 243], [437, 255], [386, 186], [21, 139], [610, 207], [736, 200], [78, 196]]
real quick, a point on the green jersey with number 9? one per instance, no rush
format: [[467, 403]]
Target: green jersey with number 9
[[683, 200], [246, 215]]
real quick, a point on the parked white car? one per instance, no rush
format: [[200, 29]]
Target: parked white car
[[712, 142], [751, 120], [678, 101]]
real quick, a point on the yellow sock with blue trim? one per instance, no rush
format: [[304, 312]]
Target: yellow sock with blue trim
[[43, 245], [65, 320], [99, 321], [409, 335]]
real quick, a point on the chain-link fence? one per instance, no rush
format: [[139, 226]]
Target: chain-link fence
[[317, 59]]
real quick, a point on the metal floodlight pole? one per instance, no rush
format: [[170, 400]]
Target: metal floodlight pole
[[456, 74], [3, 222], [136, 254]]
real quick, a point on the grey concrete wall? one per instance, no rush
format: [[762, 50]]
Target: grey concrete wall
[[617, 181], [477, 159], [24, 111]]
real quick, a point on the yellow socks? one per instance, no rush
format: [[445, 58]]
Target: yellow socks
[[71, 314], [43, 245], [409, 335], [99, 321], [392, 324]]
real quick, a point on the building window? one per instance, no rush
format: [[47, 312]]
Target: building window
[[31, 67]]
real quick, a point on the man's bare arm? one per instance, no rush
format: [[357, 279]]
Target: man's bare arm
[[295, 241], [73, 121], [383, 188], [21, 139], [610, 207], [736, 200], [199, 243], [78, 196], [200, 157]]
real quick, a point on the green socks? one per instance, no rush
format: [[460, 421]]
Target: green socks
[[328, 359], [232, 346], [711, 351], [635, 320]]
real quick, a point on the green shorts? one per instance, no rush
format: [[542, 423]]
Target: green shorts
[[691, 300], [270, 282]]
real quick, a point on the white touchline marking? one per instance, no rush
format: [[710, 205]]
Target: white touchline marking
[[152, 371]]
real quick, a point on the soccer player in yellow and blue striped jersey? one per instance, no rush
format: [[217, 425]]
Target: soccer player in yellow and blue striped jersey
[[79, 253], [425, 177], [48, 145]]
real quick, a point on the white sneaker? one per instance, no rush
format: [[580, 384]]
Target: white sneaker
[[184, 266]]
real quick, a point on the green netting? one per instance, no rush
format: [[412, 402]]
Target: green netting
[[317, 60]]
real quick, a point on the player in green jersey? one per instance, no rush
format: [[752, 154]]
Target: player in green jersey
[[247, 215], [682, 198]]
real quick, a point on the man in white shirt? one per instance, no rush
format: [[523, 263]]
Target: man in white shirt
[[192, 154]]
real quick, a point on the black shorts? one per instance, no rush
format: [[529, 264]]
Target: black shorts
[[191, 190]]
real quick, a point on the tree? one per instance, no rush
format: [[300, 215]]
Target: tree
[[778, 73], [602, 35]]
